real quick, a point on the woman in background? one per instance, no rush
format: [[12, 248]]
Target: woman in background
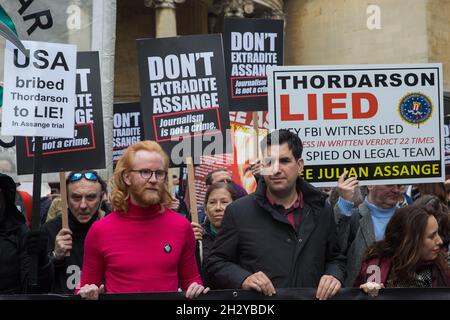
[[440, 210], [218, 196], [411, 254]]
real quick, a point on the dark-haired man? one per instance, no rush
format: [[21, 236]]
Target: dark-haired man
[[283, 235], [85, 190]]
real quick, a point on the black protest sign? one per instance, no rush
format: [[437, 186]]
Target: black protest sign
[[183, 95], [250, 47], [447, 145], [127, 127], [87, 149]]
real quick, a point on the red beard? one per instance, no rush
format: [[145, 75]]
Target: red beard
[[146, 197]]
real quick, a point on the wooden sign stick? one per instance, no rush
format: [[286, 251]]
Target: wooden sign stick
[[256, 129], [170, 182], [36, 217], [63, 193], [192, 192]]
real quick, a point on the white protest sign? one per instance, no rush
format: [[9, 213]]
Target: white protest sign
[[39, 91], [382, 123]]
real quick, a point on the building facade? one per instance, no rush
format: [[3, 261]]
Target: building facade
[[317, 32]]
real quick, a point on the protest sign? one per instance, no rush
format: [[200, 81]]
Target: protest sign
[[382, 123], [250, 47], [447, 145], [183, 92], [86, 150], [127, 127], [239, 162], [87, 24], [39, 91]]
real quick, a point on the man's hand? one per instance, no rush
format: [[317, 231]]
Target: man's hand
[[256, 168], [328, 287], [198, 230], [371, 288], [259, 282], [347, 188], [195, 289], [91, 291], [63, 243]]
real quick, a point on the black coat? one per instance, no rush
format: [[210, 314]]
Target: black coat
[[68, 270], [255, 237], [14, 260], [207, 244]]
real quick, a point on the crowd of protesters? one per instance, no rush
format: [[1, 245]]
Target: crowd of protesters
[[286, 234]]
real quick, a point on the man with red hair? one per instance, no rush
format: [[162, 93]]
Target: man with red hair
[[142, 246]]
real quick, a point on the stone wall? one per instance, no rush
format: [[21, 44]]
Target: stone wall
[[336, 32], [438, 27]]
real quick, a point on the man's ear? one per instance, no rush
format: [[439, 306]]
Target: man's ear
[[126, 178], [300, 164]]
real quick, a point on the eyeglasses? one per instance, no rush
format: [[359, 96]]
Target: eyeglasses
[[91, 176], [147, 174]]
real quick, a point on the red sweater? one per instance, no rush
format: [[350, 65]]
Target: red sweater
[[141, 251]]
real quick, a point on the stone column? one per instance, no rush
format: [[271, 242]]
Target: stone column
[[233, 8], [165, 16], [277, 14]]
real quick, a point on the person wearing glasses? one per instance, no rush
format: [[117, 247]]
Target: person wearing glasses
[[360, 227], [215, 176], [142, 246], [281, 236], [223, 175], [85, 190]]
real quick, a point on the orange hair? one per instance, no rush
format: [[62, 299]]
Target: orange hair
[[120, 193]]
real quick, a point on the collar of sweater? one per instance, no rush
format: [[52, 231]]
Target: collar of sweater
[[143, 213], [378, 212], [80, 228]]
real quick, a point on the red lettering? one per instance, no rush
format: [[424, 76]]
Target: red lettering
[[329, 105], [312, 106], [356, 105], [285, 112]]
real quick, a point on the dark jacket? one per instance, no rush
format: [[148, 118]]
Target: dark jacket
[[255, 237], [202, 253], [68, 270], [207, 241], [14, 261]]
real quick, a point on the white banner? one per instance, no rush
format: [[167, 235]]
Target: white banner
[[88, 24], [39, 92], [382, 123]]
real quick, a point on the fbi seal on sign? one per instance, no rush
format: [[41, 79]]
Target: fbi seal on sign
[[415, 108]]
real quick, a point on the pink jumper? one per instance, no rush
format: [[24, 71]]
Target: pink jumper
[[141, 251]]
